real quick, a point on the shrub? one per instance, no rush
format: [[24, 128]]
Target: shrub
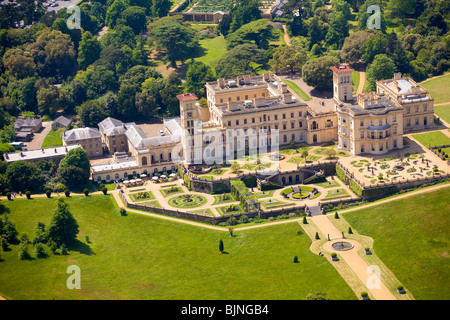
[[350, 231], [102, 185], [86, 191], [67, 193], [364, 294], [317, 236], [333, 254], [48, 193], [304, 220], [63, 250], [28, 194], [105, 191], [221, 246], [295, 259], [39, 251], [243, 219], [232, 221], [336, 215], [8, 195], [123, 212], [299, 232], [23, 252]]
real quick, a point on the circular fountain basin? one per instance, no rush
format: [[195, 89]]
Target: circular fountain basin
[[342, 245]]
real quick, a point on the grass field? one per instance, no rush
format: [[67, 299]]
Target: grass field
[[438, 88], [436, 138], [297, 90], [355, 80], [411, 237], [140, 257], [214, 49], [53, 139]]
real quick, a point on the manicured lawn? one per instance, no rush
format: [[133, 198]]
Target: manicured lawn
[[171, 191], [436, 138], [411, 238], [328, 184], [214, 49], [140, 257], [438, 88], [274, 203], [336, 194], [218, 199], [53, 139], [355, 80], [302, 94], [443, 112], [182, 201]]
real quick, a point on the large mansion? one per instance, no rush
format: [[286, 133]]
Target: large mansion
[[259, 113]]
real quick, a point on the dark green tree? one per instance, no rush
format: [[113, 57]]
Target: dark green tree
[[221, 247], [197, 75], [382, 67], [89, 50], [317, 73], [24, 175], [63, 228]]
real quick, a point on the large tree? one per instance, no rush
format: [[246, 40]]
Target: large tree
[[89, 50], [92, 112], [382, 67], [259, 32], [175, 38], [337, 31], [352, 48], [197, 75], [287, 57], [77, 158], [63, 227], [24, 175], [317, 73]]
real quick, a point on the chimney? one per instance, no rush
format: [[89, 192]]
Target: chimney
[[287, 97], [221, 83], [395, 84], [282, 87]]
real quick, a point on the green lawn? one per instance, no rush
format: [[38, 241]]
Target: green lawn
[[140, 257], [438, 88], [436, 138], [411, 237], [443, 112], [53, 139], [214, 49], [355, 80], [297, 90]]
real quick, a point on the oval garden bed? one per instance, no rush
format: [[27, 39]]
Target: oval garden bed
[[187, 201]]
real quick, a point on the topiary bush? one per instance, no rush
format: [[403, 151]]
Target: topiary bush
[[67, 193], [28, 194], [105, 191], [48, 193], [86, 192]]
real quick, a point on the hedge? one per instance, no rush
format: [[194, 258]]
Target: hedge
[[340, 174]]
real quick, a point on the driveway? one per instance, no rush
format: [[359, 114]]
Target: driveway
[[39, 137]]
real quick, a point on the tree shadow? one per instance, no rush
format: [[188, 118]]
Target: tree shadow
[[3, 209], [82, 248]]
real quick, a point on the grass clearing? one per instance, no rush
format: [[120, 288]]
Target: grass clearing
[[411, 238], [53, 139], [432, 139], [438, 88], [140, 257], [214, 49]]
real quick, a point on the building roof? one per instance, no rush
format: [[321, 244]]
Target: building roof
[[342, 68], [25, 122], [114, 166], [81, 134], [138, 138], [38, 154], [187, 97], [112, 127], [63, 120]]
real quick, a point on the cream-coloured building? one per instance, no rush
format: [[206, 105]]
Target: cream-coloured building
[[374, 122], [88, 138]]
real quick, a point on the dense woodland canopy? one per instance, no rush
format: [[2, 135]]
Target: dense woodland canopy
[[47, 67]]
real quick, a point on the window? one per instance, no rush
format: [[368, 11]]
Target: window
[[276, 117], [238, 98], [300, 114], [253, 120], [285, 138], [301, 136], [284, 127], [362, 134], [300, 124], [292, 114], [425, 107], [417, 109], [408, 122], [284, 116], [292, 125], [229, 123], [417, 121], [361, 124], [394, 118], [380, 122], [221, 100], [246, 97], [237, 122], [408, 110]]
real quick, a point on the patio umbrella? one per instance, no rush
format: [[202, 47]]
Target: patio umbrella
[[138, 180], [163, 176], [143, 175], [132, 181], [155, 178], [172, 174], [126, 181]]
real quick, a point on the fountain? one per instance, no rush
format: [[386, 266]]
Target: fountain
[[342, 246]]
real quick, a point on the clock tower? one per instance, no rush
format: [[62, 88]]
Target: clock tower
[[188, 115]]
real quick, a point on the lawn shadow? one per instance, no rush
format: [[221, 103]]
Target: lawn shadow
[[82, 248]]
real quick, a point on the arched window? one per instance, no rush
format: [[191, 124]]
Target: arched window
[[144, 161], [108, 178]]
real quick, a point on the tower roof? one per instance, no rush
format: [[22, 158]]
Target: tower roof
[[342, 68], [187, 97]]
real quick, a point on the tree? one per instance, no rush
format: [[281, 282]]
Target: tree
[[135, 18], [63, 227], [317, 296], [317, 73], [49, 99], [343, 7], [338, 30], [160, 8], [89, 50], [259, 32], [352, 47], [235, 167], [221, 247], [99, 81], [287, 57], [382, 67], [126, 99], [19, 63], [173, 36], [114, 12], [78, 158], [363, 16], [121, 35], [244, 13], [92, 112], [238, 61], [8, 231], [24, 175], [197, 75]]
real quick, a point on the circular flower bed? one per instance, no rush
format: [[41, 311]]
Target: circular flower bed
[[187, 201]]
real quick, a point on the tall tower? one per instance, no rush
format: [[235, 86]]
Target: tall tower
[[342, 83], [188, 115]]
